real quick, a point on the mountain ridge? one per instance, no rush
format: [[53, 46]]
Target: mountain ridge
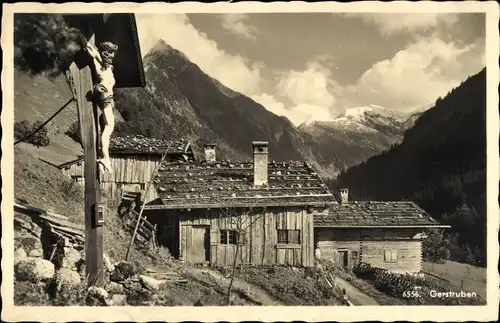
[[438, 165]]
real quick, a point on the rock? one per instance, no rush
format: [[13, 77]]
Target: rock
[[71, 258], [97, 296], [34, 269], [119, 300], [19, 254], [114, 288], [132, 285], [151, 283], [107, 263], [67, 277], [30, 243], [123, 270], [36, 253]]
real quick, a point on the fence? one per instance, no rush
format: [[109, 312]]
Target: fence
[[462, 276]]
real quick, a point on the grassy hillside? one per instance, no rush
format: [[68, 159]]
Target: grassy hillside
[[37, 98], [41, 185]]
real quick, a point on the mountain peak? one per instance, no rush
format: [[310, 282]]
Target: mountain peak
[[162, 47]]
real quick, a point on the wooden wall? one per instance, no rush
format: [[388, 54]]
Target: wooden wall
[[260, 245], [130, 173], [371, 246]]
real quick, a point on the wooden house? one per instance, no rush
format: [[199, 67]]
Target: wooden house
[[387, 235], [207, 210], [134, 159]]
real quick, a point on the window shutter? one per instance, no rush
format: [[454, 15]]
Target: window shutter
[[387, 255], [394, 255], [214, 237]]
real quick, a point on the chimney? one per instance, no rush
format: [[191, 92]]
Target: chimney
[[260, 162], [210, 153], [344, 196]]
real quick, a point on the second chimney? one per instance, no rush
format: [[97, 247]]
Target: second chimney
[[344, 195], [210, 153], [260, 160]]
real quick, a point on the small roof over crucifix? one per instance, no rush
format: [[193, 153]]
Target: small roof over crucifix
[[120, 29]]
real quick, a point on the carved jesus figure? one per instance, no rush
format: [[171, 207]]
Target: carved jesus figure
[[103, 94]]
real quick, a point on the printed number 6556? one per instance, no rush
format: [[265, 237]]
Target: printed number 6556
[[410, 294]]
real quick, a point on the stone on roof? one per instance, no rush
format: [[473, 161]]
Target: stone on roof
[[138, 144], [188, 184], [374, 214]]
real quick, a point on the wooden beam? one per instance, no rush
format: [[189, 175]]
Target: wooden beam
[[333, 226], [230, 203], [87, 114]]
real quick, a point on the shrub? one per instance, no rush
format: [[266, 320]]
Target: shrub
[[74, 132], [71, 190], [24, 128], [444, 253]]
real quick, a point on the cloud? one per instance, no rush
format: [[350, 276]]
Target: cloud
[[417, 75], [234, 71], [271, 104], [414, 77], [236, 23], [426, 68], [392, 23], [311, 93]]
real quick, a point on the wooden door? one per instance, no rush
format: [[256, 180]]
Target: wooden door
[[199, 248], [343, 258]]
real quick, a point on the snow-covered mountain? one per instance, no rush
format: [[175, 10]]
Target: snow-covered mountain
[[361, 132]]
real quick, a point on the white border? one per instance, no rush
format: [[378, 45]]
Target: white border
[[320, 313]]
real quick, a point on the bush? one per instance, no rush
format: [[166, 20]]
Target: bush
[[71, 190], [436, 246], [444, 253], [74, 132], [24, 128]]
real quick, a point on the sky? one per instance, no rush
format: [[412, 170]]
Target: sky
[[313, 66]]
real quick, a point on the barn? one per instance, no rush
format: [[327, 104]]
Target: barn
[[386, 235], [134, 159], [252, 212]]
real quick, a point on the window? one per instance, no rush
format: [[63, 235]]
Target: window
[[230, 237], [391, 256], [289, 236], [355, 254]]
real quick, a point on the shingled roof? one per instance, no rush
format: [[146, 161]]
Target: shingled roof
[[375, 214], [137, 144], [187, 185], [140, 145]]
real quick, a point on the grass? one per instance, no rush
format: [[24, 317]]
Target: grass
[[428, 284], [291, 286], [37, 98], [369, 289], [41, 185], [460, 276]]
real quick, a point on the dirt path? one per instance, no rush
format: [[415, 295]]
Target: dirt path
[[251, 293], [356, 296]]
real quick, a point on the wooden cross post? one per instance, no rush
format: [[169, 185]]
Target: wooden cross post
[[81, 73], [120, 29]]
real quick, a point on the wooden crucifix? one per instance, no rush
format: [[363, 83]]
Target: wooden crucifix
[[107, 32]]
